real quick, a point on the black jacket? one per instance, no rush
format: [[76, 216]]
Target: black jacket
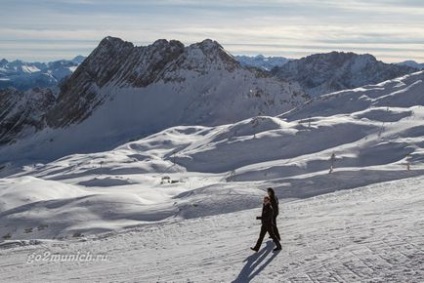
[[267, 216], [274, 203]]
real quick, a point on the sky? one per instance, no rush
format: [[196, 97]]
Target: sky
[[46, 30]]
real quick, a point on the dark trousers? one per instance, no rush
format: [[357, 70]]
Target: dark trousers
[[270, 229], [277, 234]]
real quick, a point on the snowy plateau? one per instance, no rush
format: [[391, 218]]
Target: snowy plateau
[[180, 205]]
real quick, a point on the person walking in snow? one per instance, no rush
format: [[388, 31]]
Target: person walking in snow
[[274, 204], [267, 225]]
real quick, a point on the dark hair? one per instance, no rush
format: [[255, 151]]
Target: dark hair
[[271, 192]]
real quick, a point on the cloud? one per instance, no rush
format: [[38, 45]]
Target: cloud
[[387, 27]]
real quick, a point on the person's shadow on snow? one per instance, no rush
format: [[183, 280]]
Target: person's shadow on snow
[[254, 261]]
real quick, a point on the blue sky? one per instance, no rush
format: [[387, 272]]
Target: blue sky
[[45, 30]]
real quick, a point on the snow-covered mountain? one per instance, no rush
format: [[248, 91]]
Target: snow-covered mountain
[[190, 82], [412, 64], [26, 75], [262, 62], [324, 73], [347, 167], [184, 84], [122, 92], [363, 136]]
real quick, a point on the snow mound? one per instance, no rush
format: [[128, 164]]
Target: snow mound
[[26, 190], [76, 216]]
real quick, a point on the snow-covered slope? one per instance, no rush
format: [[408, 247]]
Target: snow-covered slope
[[121, 92], [22, 113], [369, 234], [347, 168], [325, 73], [364, 135], [182, 84]]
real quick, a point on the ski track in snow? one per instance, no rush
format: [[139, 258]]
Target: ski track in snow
[[369, 234]]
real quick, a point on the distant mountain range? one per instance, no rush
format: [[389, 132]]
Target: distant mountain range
[[268, 63], [24, 75], [413, 64], [262, 62], [121, 92]]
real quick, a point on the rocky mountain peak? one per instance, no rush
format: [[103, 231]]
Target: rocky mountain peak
[[119, 63], [334, 71], [78, 94], [208, 45], [210, 52], [113, 43], [184, 84], [164, 44], [326, 61]]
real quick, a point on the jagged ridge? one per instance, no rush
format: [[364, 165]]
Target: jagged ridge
[[197, 84], [325, 73]]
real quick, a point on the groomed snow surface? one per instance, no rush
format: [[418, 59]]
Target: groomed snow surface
[[368, 234]]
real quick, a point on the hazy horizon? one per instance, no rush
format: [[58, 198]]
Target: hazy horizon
[[29, 60], [48, 30]]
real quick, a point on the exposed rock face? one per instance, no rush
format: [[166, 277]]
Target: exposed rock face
[[324, 73], [23, 112], [197, 84], [119, 64], [174, 84], [122, 91], [413, 64], [79, 94]]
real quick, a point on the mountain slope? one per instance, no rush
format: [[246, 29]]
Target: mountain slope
[[373, 102], [347, 168], [22, 113], [324, 73], [121, 92], [373, 138], [203, 71], [370, 234]]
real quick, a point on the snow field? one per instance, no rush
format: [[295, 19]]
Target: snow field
[[369, 234], [180, 205]]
